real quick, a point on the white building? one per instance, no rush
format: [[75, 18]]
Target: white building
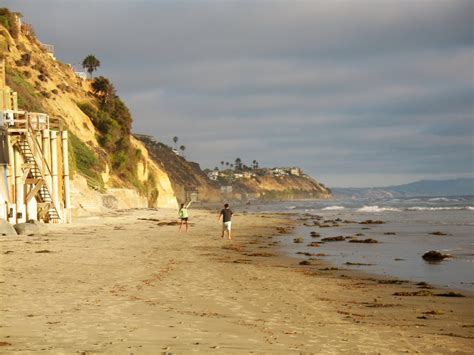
[[213, 175], [295, 171]]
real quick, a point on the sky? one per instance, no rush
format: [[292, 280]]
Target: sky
[[357, 93]]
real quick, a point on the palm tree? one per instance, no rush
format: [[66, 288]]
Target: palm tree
[[227, 164], [102, 88], [90, 63], [175, 140], [238, 164], [222, 165], [183, 148]]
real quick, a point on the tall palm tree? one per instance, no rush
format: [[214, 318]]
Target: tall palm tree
[[183, 148], [238, 164], [222, 165], [90, 63], [175, 140]]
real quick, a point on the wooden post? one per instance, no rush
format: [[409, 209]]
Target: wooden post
[[11, 170], [19, 190], [54, 168], [67, 191], [46, 154], [32, 205]]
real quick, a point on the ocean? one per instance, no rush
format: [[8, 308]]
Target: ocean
[[402, 239]]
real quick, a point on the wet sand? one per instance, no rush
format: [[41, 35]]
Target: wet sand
[[125, 283]]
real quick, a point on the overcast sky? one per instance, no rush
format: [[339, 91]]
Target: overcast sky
[[357, 93]]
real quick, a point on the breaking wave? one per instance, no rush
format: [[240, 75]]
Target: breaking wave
[[331, 208], [443, 199], [377, 209], [465, 208]]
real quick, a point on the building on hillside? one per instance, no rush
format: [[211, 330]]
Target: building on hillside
[[213, 175], [81, 75], [34, 181], [295, 171], [279, 172], [49, 48]]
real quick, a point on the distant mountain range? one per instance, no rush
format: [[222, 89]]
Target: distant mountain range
[[453, 187]]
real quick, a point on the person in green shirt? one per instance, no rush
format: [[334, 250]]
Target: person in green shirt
[[183, 215]]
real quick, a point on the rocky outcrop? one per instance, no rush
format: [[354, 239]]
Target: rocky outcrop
[[183, 175], [153, 173], [434, 256], [30, 228]]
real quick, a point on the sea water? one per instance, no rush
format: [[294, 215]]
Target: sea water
[[412, 220]]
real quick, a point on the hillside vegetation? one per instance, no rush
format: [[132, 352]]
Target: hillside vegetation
[[99, 122]]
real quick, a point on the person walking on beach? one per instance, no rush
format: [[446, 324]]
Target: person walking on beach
[[184, 215], [226, 215]]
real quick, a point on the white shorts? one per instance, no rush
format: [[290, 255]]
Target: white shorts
[[227, 226]]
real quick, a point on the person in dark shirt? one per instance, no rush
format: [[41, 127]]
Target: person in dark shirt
[[226, 215]]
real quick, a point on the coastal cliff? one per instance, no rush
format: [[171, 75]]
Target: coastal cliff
[[186, 177], [281, 188], [257, 183], [110, 169]]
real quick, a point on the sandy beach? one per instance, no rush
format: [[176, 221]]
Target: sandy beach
[[128, 282]]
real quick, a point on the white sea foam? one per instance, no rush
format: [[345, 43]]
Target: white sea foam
[[331, 208], [442, 199], [454, 208], [291, 207], [377, 209]]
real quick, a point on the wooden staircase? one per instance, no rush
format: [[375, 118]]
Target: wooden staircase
[[38, 169]]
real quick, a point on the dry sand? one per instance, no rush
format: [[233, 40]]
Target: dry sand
[[119, 284]]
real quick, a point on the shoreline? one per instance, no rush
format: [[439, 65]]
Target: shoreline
[[335, 270], [402, 240], [109, 284], [356, 273]]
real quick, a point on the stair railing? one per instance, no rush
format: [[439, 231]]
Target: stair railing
[[41, 162]]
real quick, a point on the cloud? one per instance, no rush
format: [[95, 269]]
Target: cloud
[[368, 90]]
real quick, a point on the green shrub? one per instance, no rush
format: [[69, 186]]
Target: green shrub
[[28, 99], [6, 18], [88, 109], [113, 122], [84, 160]]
